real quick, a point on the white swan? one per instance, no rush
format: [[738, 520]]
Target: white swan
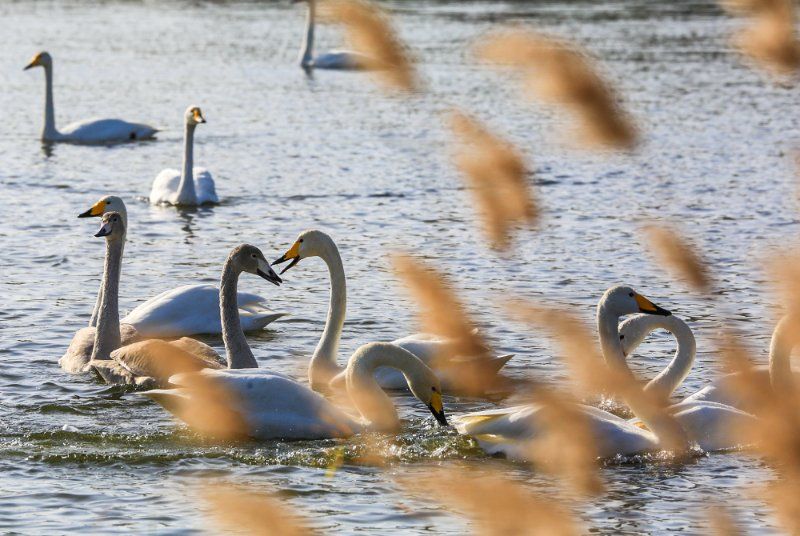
[[194, 185], [90, 132], [323, 369], [510, 430], [273, 406], [144, 363], [343, 60], [184, 310], [779, 371], [711, 425]]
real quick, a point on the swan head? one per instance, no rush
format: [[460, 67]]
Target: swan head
[[310, 243], [426, 387], [42, 59], [194, 116], [112, 226], [247, 258], [109, 203], [622, 300]]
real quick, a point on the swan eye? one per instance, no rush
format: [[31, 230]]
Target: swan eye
[[301, 240], [630, 294], [621, 337]]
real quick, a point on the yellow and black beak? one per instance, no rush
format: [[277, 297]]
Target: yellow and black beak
[[35, 62], [198, 116], [646, 306], [292, 255], [437, 409], [96, 210]]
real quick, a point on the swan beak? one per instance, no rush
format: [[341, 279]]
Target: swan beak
[[646, 306], [292, 255], [268, 273], [437, 409], [198, 116], [34, 63], [96, 210], [105, 230]]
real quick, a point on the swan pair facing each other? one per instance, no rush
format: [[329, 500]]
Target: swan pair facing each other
[[710, 425], [89, 132], [323, 370], [185, 310]]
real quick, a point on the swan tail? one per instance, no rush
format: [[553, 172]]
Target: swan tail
[[254, 322]]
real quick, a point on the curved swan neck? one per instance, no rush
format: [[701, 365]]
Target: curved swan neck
[[107, 335], [237, 350], [323, 365], [50, 132], [307, 48], [186, 192], [784, 339], [373, 404], [638, 327]]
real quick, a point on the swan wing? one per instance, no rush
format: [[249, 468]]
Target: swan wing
[[159, 360], [204, 186], [714, 426], [193, 309], [272, 406], [165, 186], [99, 131]]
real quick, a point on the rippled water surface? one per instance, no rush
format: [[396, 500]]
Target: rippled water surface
[[332, 152]]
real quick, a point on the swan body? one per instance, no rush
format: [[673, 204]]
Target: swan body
[[145, 363], [79, 352], [192, 186], [184, 310], [510, 430], [323, 371], [710, 425], [341, 60], [274, 406], [194, 309], [88, 132]]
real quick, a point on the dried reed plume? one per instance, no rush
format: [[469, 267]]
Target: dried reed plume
[[722, 523], [209, 408], [560, 72], [678, 255], [770, 37], [566, 444], [785, 271], [497, 506], [588, 368], [442, 314], [246, 511], [497, 176], [368, 30]]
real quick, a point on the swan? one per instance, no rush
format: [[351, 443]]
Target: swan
[[274, 406], [778, 373], [193, 186], [510, 430], [711, 425], [342, 60], [184, 310], [323, 371], [90, 132], [144, 363]]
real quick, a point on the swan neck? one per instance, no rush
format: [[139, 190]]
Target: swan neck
[[186, 192], [49, 133], [608, 329], [784, 339], [107, 335], [307, 48], [237, 350], [679, 367], [96, 310], [323, 365], [373, 404]]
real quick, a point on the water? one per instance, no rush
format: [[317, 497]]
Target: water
[[333, 153]]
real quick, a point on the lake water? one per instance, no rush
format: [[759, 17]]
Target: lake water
[[333, 152]]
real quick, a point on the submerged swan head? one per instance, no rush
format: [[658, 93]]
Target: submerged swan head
[[310, 243], [194, 116], [622, 300], [42, 59], [109, 203], [112, 227], [247, 258]]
